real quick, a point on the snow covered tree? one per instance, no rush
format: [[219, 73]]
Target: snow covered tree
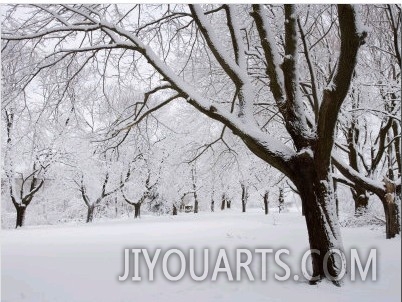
[[92, 202], [149, 192], [30, 182], [236, 44], [30, 144], [371, 121]]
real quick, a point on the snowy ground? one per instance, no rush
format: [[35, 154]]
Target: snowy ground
[[82, 263]]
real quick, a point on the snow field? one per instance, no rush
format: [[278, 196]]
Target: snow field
[[83, 262]]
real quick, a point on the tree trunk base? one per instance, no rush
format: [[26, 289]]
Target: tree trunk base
[[266, 209], [137, 211], [322, 222], [90, 214], [20, 215], [392, 224]]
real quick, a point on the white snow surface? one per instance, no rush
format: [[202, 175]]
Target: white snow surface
[[83, 262]]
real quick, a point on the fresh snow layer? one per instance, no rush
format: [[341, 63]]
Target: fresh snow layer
[[83, 262]]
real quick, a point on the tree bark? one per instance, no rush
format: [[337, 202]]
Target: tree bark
[[397, 145], [90, 213], [174, 212], [20, 215], [316, 193], [212, 205], [137, 210], [243, 197], [266, 209], [391, 211], [392, 226]]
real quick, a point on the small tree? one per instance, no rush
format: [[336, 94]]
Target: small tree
[[29, 181], [93, 202], [149, 194]]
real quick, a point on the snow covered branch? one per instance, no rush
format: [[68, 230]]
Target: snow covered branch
[[356, 177]]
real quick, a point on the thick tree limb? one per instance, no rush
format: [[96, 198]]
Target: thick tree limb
[[360, 180], [351, 39]]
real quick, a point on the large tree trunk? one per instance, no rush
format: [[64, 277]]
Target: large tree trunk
[[392, 225], [20, 215], [323, 229], [266, 209], [174, 212], [212, 205], [391, 211], [90, 213], [322, 222], [137, 210]]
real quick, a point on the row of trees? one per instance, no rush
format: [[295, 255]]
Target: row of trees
[[83, 173], [289, 82], [151, 178]]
